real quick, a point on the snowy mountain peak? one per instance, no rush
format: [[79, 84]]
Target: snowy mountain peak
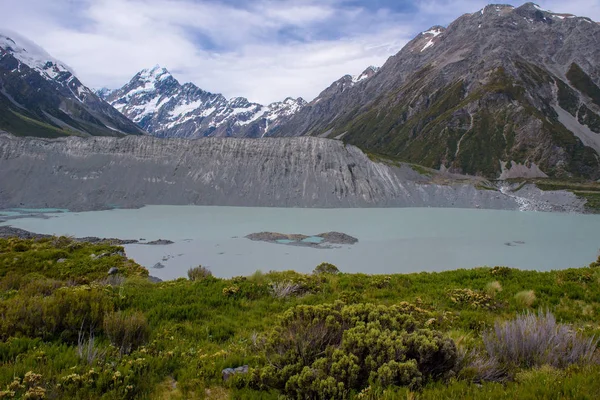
[[156, 101], [32, 55], [367, 73], [156, 73]]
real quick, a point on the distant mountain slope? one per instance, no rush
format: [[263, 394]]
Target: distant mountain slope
[[502, 92], [157, 102], [40, 96]]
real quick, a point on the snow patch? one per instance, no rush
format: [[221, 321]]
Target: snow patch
[[185, 108], [540, 8], [31, 54], [434, 32], [428, 45]]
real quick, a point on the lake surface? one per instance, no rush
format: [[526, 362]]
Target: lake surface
[[390, 240]]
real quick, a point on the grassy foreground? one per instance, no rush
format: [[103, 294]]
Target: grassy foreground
[[69, 330]]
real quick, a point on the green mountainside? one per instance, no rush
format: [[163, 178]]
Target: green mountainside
[[504, 92]]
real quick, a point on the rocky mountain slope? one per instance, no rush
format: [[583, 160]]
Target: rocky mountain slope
[[502, 92], [41, 96], [158, 103], [100, 172]]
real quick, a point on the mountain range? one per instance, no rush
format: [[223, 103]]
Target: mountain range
[[157, 102], [503, 92]]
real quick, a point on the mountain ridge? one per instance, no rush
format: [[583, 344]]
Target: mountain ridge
[[437, 100], [157, 102], [41, 96]]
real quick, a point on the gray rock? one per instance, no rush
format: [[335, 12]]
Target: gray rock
[[61, 260], [113, 271], [9, 231], [154, 279], [229, 372], [158, 266], [159, 242], [298, 239]]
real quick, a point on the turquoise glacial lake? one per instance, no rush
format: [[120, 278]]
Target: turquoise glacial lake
[[391, 240]]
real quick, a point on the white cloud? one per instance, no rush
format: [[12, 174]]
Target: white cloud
[[264, 50]]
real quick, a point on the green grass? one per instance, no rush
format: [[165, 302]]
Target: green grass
[[197, 328]]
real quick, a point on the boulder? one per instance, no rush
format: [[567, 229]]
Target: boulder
[[229, 372]]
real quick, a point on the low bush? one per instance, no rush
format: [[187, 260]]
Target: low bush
[[533, 340], [471, 298], [330, 351], [126, 330], [326, 268], [284, 289], [60, 315], [501, 271], [199, 273]]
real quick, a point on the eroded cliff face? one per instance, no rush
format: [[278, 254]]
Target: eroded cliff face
[[92, 173]]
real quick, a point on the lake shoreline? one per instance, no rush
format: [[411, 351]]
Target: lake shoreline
[[8, 231]]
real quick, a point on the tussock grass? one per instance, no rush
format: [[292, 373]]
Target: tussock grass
[[525, 298]]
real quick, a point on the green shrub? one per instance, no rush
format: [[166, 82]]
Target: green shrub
[[501, 271], [326, 268], [472, 298], [126, 330], [199, 273], [231, 291], [60, 315], [331, 350]]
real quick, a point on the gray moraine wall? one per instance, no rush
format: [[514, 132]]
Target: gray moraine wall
[[101, 172]]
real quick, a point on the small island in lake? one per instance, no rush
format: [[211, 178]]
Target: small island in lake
[[322, 240]]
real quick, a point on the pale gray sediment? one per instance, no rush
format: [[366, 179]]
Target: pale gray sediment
[[100, 172]]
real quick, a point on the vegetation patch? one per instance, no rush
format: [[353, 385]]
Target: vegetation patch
[[68, 330]]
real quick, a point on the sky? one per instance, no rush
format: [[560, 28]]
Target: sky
[[265, 50]]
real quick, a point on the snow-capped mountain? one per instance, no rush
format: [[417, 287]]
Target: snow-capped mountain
[[41, 96], [158, 103]]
